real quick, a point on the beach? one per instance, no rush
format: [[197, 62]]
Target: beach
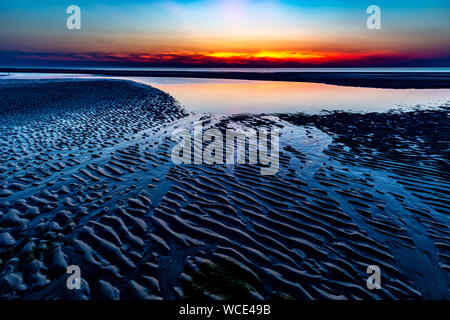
[[375, 79], [87, 179]]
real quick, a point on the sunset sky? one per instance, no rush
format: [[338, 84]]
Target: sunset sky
[[233, 33]]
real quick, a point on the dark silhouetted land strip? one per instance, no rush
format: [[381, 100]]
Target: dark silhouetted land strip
[[394, 80]]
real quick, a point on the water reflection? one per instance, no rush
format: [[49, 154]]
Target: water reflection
[[242, 96]]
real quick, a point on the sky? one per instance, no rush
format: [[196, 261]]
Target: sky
[[225, 33]]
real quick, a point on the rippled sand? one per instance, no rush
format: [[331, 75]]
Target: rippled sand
[[86, 179]]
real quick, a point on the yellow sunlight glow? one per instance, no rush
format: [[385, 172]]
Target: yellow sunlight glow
[[267, 54]]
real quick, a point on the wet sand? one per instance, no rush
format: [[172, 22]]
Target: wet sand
[[392, 80], [86, 179]]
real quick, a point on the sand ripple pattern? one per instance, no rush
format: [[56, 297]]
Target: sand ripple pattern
[[87, 180]]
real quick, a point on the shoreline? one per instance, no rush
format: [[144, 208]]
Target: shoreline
[[382, 80]]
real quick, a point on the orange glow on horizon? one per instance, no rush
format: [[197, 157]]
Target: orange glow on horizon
[[264, 58], [282, 55]]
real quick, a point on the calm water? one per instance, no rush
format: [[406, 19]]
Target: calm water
[[243, 96], [268, 70]]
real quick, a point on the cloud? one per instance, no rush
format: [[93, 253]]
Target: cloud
[[219, 59]]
